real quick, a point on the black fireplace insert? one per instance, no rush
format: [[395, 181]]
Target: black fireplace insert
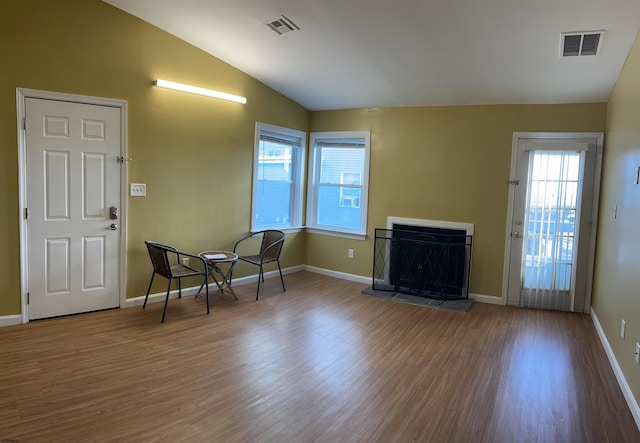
[[422, 260]]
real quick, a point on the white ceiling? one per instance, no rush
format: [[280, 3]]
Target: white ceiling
[[381, 53]]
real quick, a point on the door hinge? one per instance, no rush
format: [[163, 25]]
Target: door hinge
[[24, 123], [26, 213], [514, 182], [27, 298]]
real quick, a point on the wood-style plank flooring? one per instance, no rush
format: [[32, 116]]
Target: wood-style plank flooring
[[318, 363]]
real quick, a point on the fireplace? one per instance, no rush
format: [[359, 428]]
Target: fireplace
[[426, 258]]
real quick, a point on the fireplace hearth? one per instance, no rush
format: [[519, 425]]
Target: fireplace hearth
[[429, 259]]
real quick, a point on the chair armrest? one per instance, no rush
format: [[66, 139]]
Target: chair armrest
[[246, 237], [162, 245], [205, 266]]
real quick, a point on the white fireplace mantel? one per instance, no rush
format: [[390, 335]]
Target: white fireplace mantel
[[468, 227]]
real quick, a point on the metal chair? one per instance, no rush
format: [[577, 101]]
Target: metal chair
[[270, 249], [161, 257]]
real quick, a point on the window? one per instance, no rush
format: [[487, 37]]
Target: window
[[278, 175], [338, 183]]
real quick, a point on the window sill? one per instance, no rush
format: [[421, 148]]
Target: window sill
[[289, 230], [337, 234]]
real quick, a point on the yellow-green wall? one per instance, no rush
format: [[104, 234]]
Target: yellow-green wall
[[617, 283], [194, 153], [443, 163]]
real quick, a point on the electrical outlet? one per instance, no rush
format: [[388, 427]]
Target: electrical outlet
[[350, 253], [623, 328], [137, 189], [637, 353], [185, 261]]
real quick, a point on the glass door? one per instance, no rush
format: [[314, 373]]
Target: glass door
[[550, 229], [552, 224]]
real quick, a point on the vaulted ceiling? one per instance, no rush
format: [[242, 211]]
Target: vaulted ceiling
[[381, 53]]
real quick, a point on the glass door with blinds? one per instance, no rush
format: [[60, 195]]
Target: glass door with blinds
[[552, 224], [550, 230]]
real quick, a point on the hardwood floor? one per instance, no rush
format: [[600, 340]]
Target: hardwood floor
[[318, 363]]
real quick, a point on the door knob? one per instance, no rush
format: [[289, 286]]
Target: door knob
[[516, 234], [113, 227]]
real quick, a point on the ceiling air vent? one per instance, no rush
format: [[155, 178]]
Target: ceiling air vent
[[282, 24], [574, 44]]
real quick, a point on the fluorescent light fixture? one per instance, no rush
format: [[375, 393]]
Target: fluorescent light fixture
[[200, 91]]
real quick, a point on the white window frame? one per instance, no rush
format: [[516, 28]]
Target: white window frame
[[297, 176], [313, 185]]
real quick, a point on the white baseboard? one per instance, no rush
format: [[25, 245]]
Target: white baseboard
[[159, 297], [622, 381], [10, 320], [338, 274], [487, 299], [285, 271], [367, 280]]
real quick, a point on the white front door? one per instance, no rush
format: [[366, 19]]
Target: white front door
[[72, 184], [552, 226]]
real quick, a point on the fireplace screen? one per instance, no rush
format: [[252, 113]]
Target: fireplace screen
[[423, 261]]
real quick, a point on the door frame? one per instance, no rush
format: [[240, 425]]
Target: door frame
[[21, 95], [596, 138]]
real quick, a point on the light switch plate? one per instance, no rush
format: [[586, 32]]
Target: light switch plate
[[138, 189]]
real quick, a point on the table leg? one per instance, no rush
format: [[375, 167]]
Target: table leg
[[211, 274], [213, 268], [226, 281]]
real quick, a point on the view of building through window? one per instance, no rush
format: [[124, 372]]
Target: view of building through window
[[274, 180], [551, 214], [337, 184], [278, 177], [337, 189]]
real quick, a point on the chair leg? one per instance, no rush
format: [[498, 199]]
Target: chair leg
[[281, 279], [206, 289], [179, 288], [260, 275], [148, 290], [166, 301]]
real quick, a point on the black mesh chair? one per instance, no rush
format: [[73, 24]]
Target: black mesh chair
[[270, 249], [162, 256]]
